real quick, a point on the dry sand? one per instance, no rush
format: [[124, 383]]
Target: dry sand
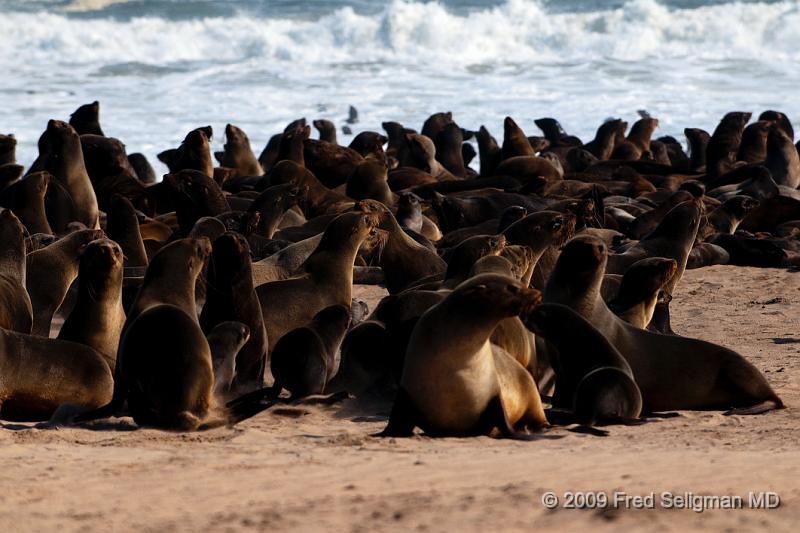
[[320, 470]]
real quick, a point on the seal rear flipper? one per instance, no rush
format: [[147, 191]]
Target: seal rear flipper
[[270, 393], [242, 411], [670, 414], [622, 421], [495, 417], [757, 409], [403, 418], [589, 430], [322, 399]]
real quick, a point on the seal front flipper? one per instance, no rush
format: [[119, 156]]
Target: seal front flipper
[[403, 418]]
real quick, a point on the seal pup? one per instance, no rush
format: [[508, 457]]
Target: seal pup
[[230, 296], [641, 288], [593, 380], [454, 383], [16, 312], [673, 372], [304, 360], [225, 341], [98, 316], [49, 274]]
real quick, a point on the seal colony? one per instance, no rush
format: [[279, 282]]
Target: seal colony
[[529, 293]]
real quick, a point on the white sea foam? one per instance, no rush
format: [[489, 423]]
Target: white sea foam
[[686, 65]]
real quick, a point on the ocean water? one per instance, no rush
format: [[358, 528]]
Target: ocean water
[[162, 67]]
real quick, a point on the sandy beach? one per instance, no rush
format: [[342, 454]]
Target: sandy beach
[[317, 468]]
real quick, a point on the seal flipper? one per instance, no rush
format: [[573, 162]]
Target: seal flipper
[[757, 409], [403, 418], [660, 322], [589, 430], [495, 417]]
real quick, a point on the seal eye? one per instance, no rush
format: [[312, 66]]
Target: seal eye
[[556, 225]]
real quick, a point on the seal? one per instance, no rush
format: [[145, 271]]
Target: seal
[[402, 259], [86, 119], [225, 341], [369, 180], [164, 366], [673, 238], [8, 150], [238, 154], [40, 374], [122, 226], [230, 296], [454, 383], [49, 274], [304, 360], [98, 316], [593, 380], [637, 144], [707, 254], [727, 217], [326, 129], [489, 151], [515, 142], [60, 154], [604, 140], [640, 290], [327, 280], [448, 149], [109, 170], [26, 198], [272, 204], [753, 147], [142, 167], [672, 372], [196, 195], [194, 153], [723, 145], [16, 313]]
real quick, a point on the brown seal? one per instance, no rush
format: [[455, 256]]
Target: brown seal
[[641, 288], [593, 380], [122, 226], [238, 154], [49, 274], [40, 374], [605, 139], [402, 259], [225, 341], [194, 153], [86, 119], [326, 129], [637, 144], [16, 313], [672, 372], [327, 279], [26, 198], [454, 382], [60, 154], [230, 296], [304, 360], [98, 316], [142, 167], [515, 143]]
